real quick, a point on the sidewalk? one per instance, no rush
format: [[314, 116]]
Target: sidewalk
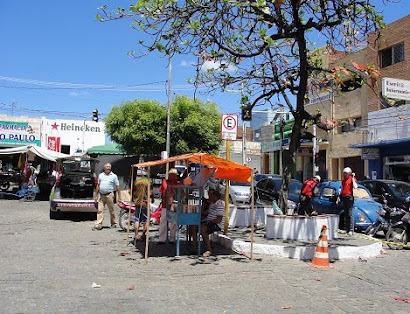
[[237, 241], [345, 247]]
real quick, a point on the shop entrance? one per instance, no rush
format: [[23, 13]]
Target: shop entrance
[[397, 168]]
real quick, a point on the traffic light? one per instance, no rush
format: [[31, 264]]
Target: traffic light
[[95, 115], [246, 113]]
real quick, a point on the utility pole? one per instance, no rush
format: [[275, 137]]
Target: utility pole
[[243, 135], [168, 144], [314, 151]]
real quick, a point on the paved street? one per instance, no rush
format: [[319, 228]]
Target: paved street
[[50, 266]]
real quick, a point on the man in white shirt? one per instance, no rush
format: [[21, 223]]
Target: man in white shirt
[[107, 185]]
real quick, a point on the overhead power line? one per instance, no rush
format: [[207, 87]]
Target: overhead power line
[[61, 85]]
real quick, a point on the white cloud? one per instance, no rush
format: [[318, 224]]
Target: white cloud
[[216, 65], [185, 63], [76, 94]]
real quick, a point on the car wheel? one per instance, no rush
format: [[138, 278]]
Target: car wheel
[[54, 214], [4, 186], [396, 235], [29, 196], [123, 221], [230, 199]]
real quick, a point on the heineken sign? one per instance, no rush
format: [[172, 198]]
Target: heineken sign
[[75, 127]]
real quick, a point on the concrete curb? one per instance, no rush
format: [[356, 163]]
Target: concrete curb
[[302, 252]]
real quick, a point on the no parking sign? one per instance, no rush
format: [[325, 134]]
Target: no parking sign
[[229, 128]]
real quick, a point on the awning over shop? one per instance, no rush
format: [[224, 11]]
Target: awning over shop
[[225, 169], [382, 143], [39, 151], [108, 149]]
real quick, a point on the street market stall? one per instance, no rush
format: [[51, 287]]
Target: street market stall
[[15, 169], [222, 168]]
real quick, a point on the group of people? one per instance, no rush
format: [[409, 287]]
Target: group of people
[[346, 199], [213, 210]]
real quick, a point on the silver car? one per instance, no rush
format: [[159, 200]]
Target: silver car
[[239, 193]]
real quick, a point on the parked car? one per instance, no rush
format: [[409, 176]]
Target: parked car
[[239, 193], [395, 192], [74, 189], [267, 190], [261, 176], [365, 209]]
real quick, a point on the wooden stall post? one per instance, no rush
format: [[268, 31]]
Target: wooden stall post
[[227, 187], [148, 213], [129, 209], [252, 213]]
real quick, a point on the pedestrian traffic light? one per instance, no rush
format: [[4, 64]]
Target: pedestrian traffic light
[[246, 113], [95, 115]]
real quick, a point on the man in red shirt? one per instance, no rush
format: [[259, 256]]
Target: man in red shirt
[[349, 182], [306, 194]]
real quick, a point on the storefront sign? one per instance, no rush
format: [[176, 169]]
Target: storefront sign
[[75, 127], [272, 146], [395, 88], [318, 92], [53, 143], [19, 133], [370, 153]]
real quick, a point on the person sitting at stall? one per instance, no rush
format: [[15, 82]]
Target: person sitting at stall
[[212, 222]]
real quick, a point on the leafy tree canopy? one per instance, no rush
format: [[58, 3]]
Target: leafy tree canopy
[[140, 126], [265, 45]]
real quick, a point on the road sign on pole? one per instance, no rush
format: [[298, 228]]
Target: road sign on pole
[[229, 127]]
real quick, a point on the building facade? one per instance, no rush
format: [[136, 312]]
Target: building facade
[[387, 149]]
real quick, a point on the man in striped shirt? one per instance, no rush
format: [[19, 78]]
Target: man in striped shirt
[[214, 220]]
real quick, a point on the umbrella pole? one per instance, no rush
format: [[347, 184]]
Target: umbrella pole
[[129, 209], [149, 215], [252, 213]]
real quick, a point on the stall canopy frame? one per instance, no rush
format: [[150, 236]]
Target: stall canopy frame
[[224, 169]]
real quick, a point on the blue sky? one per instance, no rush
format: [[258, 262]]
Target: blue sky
[[52, 41]]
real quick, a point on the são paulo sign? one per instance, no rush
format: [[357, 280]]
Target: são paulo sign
[[19, 133]]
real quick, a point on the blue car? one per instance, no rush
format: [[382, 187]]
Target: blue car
[[365, 209]]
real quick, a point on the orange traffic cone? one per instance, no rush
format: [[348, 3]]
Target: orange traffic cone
[[321, 258]]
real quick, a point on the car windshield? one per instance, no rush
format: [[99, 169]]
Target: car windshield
[[361, 193], [77, 166], [399, 189], [239, 183], [295, 187]]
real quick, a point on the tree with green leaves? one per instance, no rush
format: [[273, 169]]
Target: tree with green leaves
[[140, 126], [265, 46]]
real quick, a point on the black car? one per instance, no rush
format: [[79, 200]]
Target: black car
[[261, 176], [395, 192], [267, 190]]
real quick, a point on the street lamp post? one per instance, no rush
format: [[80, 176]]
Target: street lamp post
[[168, 144]]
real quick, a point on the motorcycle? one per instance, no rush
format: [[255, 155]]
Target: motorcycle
[[125, 207], [399, 232], [388, 217]]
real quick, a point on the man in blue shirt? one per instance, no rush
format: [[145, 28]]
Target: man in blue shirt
[[107, 185]]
